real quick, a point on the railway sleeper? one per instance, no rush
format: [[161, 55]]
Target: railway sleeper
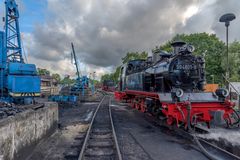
[[80, 136], [99, 151], [71, 153], [101, 158], [101, 143], [101, 136], [101, 131]]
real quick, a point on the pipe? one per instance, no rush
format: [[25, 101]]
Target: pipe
[[204, 151], [238, 118], [183, 117]]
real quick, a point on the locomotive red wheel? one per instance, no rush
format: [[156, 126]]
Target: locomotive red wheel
[[138, 107], [228, 120], [134, 104], [143, 109], [170, 120]]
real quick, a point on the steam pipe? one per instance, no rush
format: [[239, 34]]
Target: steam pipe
[[204, 151]]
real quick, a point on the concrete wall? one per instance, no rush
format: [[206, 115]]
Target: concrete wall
[[19, 134]]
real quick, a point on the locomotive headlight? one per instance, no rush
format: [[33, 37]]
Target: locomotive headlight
[[179, 93], [222, 93], [190, 48]]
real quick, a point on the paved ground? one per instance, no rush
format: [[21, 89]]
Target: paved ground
[[67, 141], [140, 139]]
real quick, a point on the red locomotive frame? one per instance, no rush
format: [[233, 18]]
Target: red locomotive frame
[[177, 112], [108, 88]]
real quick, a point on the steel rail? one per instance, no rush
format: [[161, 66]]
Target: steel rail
[[208, 145], [229, 154], [84, 146], [223, 153], [114, 133], [88, 131]]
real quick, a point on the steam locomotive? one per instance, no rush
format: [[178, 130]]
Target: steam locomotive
[[171, 87], [108, 85]]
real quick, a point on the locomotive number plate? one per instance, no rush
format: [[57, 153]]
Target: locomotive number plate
[[186, 67]]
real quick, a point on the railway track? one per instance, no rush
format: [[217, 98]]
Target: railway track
[[100, 141]]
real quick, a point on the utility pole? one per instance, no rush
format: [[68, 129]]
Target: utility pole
[[93, 87]]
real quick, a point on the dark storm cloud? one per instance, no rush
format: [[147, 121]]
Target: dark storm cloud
[[207, 20], [103, 31]]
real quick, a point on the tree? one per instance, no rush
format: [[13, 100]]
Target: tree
[[67, 81], [234, 61], [116, 74], [57, 77], [208, 45], [107, 77], [134, 55], [41, 71]]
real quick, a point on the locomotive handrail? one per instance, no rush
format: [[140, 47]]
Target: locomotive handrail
[[231, 85]]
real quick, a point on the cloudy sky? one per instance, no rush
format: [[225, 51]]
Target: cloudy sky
[[104, 30]]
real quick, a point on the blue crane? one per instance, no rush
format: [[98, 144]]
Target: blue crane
[[19, 81], [81, 82], [12, 32], [73, 55]]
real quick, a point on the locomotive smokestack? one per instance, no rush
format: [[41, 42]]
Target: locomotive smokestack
[[176, 45], [155, 55]]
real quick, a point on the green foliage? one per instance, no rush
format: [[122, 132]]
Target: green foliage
[[57, 77], [41, 71], [234, 61], [106, 77], [67, 81], [134, 55]]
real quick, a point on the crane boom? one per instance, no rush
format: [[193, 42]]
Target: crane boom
[[12, 32], [75, 61]]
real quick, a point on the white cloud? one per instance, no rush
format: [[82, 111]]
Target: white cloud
[[103, 31]]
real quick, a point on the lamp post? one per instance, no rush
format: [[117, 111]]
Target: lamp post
[[226, 18]]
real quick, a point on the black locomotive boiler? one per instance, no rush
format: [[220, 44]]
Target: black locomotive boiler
[[179, 70]]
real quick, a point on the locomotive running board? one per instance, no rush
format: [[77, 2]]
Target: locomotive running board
[[192, 97]]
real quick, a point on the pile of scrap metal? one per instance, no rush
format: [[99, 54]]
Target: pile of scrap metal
[[9, 109]]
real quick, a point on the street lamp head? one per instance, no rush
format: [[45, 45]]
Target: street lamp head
[[227, 18]]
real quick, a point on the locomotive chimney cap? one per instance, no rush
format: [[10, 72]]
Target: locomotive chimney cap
[[178, 43]]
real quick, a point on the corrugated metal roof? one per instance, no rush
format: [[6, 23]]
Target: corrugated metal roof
[[236, 85]]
